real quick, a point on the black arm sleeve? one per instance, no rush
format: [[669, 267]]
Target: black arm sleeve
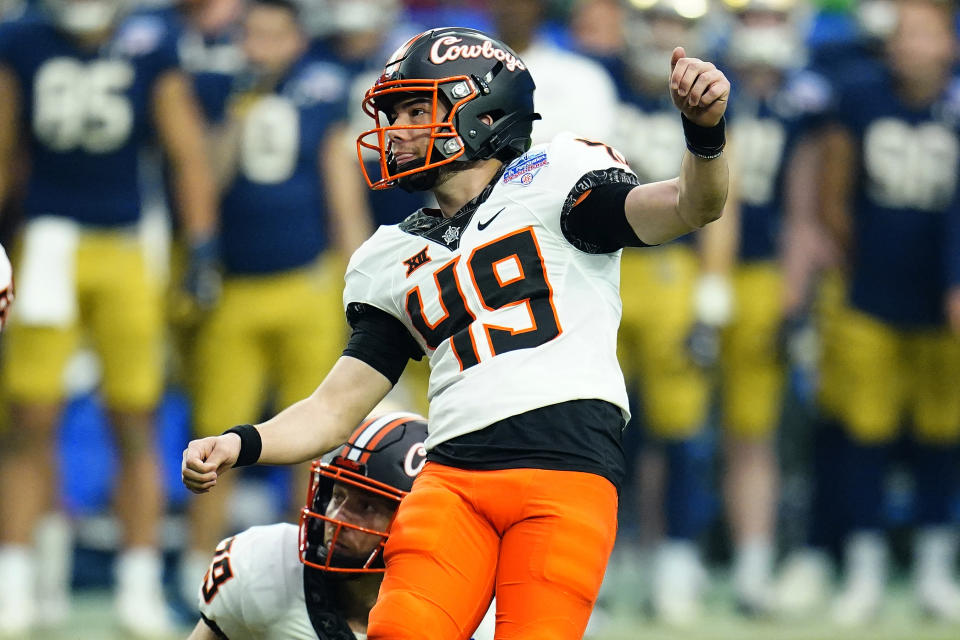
[[214, 627], [593, 218], [380, 340]]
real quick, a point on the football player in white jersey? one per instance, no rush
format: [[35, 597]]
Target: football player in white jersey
[[260, 581], [319, 580], [511, 289]]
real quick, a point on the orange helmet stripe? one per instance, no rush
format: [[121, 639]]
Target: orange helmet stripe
[[371, 431]]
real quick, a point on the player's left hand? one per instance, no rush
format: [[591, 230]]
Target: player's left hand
[[698, 89]]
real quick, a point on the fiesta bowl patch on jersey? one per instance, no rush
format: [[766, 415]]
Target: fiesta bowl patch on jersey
[[526, 168]]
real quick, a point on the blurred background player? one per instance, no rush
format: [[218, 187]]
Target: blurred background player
[[596, 30], [88, 93], [659, 287], [287, 223], [776, 101], [359, 35], [813, 298], [569, 85], [889, 185], [206, 35]]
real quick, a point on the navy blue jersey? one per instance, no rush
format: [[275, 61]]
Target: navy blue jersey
[[273, 216], [211, 60], [847, 61], [905, 192], [763, 132], [953, 248], [87, 113]]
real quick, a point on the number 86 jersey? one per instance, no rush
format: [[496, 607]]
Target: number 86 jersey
[[511, 314], [87, 112]]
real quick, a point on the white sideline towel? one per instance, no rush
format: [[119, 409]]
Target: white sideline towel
[[46, 277]]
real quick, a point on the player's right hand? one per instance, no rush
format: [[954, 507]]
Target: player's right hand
[[202, 280], [703, 345], [204, 460], [698, 89]]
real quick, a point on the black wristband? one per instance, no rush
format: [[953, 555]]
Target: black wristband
[[250, 444], [704, 142]]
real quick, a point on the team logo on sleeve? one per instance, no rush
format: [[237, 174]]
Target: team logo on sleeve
[[526, 168], [416, 261]]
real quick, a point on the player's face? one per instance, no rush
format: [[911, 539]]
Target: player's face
[[923, 42], [762, 19], [410, 145], [86, 17], [272, 38], [670, 31], [358, 507]]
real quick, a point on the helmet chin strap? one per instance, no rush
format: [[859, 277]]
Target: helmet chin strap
[[340, 561], [419, 181], [426, 180]]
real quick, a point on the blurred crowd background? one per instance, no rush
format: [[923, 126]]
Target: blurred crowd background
[[180, 188]]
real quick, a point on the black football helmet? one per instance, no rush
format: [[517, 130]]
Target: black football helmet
[[380, 459], [474, 75]]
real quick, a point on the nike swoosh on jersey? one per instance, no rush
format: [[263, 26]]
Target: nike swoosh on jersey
[[483, 225]]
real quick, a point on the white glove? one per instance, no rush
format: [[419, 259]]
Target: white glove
[[713, 300]]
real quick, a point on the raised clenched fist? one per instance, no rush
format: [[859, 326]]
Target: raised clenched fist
[[699, 90]]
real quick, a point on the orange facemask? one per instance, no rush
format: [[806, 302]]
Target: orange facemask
[[445, 144], [313, 551]]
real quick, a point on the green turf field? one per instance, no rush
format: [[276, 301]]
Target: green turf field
[[91, 620]]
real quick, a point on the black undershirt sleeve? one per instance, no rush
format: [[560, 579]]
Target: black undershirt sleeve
[[593, 218], [217, 631], [380, 340]]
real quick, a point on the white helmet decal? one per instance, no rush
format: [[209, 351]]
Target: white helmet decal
[[415, 452]]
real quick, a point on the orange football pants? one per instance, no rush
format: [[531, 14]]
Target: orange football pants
[[539, 538]]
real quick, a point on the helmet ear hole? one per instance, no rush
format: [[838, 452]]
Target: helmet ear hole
[[491, 117]]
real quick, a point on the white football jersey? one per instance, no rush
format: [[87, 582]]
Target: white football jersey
[[254, 588], [512, 316]]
